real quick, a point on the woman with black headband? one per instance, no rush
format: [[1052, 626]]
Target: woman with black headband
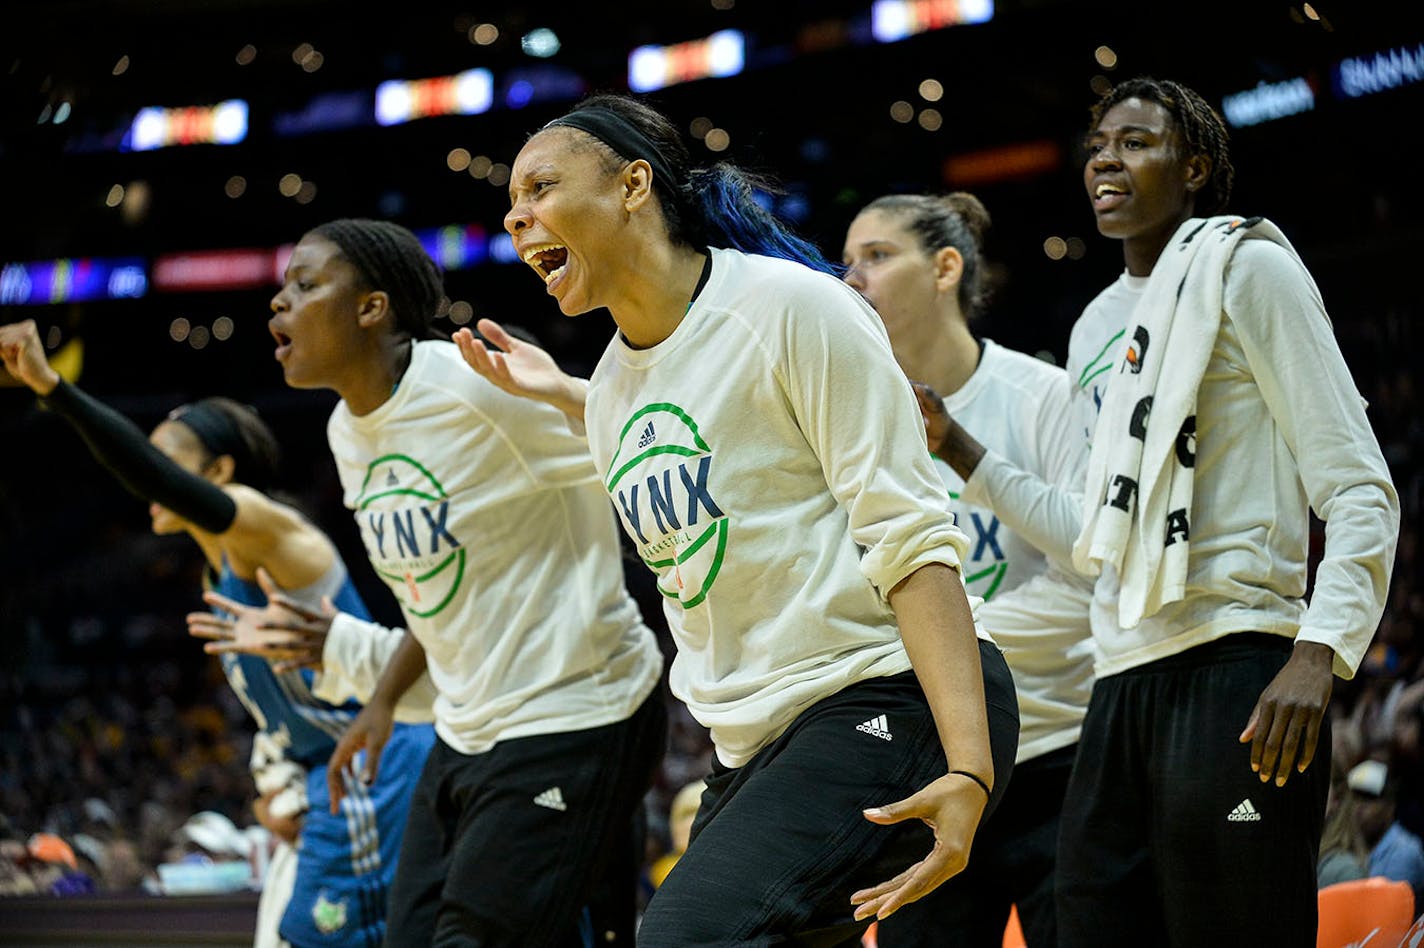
[[767, 457], [206, 470]]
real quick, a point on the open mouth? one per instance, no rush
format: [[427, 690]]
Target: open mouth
[[548, 260], [1107, 196], [284, 343]]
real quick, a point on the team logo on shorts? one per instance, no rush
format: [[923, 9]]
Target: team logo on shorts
[[403, 514], [660, 479], [328, 916]]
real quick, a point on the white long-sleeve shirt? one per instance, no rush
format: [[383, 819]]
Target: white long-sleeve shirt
[[483, 514], [354, 656], [768, 461], [1036, 609], [1049, 515], [1281, 430]]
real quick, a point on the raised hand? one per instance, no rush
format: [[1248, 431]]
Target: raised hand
[[520, 368], [284, 632], [24, 358]]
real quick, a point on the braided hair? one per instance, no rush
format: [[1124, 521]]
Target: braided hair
[[955, 220], [1203, 132], [703, 207], [389, 258]]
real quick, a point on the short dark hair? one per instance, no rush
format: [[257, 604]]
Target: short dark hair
[[1203, 132]]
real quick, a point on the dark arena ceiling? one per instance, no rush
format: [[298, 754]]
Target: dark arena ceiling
[[813, 106]]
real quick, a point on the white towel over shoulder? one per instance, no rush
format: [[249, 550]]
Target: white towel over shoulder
[[1138, 497]]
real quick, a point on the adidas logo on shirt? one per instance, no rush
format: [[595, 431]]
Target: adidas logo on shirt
[[877, 726], [553, 798], [648, 436], [1244, 813]]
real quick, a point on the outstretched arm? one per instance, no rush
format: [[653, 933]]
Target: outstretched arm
[[867, 438], [284, 632], [115, 441], [349, 654], [522, 368]]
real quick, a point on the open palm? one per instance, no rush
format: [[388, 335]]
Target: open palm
[[518, 367]]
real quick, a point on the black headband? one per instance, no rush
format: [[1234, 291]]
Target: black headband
[[217, 432], [622, 136]]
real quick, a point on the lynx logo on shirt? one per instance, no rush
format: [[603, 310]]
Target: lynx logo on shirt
[[987, 564], [659, 480], [403, 513]]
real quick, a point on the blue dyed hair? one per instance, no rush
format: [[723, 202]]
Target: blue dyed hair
[[706, 207]]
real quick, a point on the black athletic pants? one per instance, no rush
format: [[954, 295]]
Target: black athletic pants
[[1168, 837], [780, 843], [508, 847]]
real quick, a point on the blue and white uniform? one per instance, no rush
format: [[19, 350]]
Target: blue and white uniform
[[345, 863]]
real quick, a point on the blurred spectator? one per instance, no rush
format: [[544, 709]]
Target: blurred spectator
[[123, 870], [209, 836], [208, 855], [1407, 755], [680, 816], [14, 875], [1395, 853], [54, 868], [1344, 854]]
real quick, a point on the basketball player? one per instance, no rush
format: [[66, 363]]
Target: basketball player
[[206, 471], [1227, 416], [917, 258], [483, 514], [765, 454]]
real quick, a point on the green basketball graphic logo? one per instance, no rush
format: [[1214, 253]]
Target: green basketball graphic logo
[[659, 479], [402, 511]]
